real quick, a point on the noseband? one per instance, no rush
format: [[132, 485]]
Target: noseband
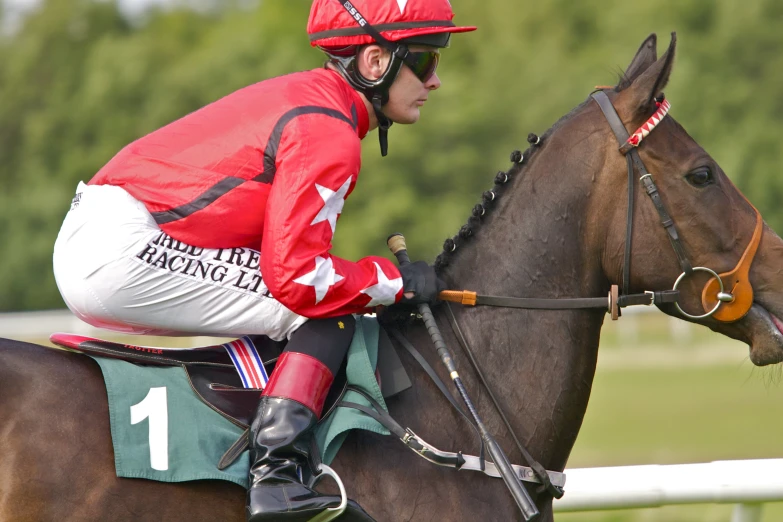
[[725, 306]]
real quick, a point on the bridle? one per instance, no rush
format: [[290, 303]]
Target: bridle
[[735, 302], [727, 297]]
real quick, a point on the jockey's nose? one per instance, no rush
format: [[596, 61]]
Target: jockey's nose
[[433, 82]]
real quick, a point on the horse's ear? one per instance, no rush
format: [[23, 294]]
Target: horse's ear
[[645, 57], [639, 96]]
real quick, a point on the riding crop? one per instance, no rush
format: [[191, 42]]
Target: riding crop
[[396, 243]]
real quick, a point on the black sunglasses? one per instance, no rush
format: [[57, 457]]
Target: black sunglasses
[[423, 64]]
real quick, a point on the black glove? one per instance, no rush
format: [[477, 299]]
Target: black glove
[[420, 278]]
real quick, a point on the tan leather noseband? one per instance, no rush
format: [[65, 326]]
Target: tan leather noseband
[[736, 283]]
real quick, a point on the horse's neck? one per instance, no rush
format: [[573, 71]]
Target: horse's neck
[[540, 363]]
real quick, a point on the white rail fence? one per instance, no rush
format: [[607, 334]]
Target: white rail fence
[[39, 325], [746, 483]]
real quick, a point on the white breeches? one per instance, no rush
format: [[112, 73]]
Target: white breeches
[[116, 269]]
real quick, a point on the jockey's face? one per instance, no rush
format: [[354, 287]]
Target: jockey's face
[[408, 93]]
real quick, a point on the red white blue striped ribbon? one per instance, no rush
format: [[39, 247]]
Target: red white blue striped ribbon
[[247, 362]]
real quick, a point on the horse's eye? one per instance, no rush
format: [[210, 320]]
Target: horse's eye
[[700, 177]]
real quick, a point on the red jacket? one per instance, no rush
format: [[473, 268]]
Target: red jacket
[[267, 167]]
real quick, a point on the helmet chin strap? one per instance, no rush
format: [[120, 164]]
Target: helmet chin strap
[[383, 124], [376, 91]]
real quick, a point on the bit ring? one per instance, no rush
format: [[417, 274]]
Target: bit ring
[[720, 292]]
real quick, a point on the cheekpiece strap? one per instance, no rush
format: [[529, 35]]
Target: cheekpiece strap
[[628, 148]]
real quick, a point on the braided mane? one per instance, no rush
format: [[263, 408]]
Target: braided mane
[[519, 159], [487, 199]]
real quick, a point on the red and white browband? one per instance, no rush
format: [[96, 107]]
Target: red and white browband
[[642, 132]]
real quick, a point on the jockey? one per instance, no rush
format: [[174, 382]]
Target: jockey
[[221, 222]]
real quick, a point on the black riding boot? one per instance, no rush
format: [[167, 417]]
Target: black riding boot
[[280, 441], [280, 450]]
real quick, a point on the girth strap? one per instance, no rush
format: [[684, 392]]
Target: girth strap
[[445, 458]]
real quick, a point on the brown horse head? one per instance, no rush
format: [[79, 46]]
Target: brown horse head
[[714, 221]]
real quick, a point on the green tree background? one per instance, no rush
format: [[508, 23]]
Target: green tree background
[[78, 81]]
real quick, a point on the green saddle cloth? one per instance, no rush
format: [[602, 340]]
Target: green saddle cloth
[[161, 431]]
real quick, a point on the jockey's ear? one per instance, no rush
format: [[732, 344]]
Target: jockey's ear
[[638, 98], [372, 61], [645, 57]]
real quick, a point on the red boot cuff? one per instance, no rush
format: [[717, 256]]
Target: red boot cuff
[[302, 378]]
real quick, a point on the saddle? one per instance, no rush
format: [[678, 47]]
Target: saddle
[[214, 379], [212, 376]]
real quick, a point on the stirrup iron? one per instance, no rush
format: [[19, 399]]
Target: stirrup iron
[[329, 514]]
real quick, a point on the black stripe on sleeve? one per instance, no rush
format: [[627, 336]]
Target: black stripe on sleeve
[[212, 193], [270, 153]]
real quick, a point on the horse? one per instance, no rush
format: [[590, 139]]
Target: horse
[[555, 229]]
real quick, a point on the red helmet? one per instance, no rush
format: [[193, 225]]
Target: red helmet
[[341, 27], [331, 23]]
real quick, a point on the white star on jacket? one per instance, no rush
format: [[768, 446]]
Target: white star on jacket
[[322, 278], [385, 291], [333, 203]]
